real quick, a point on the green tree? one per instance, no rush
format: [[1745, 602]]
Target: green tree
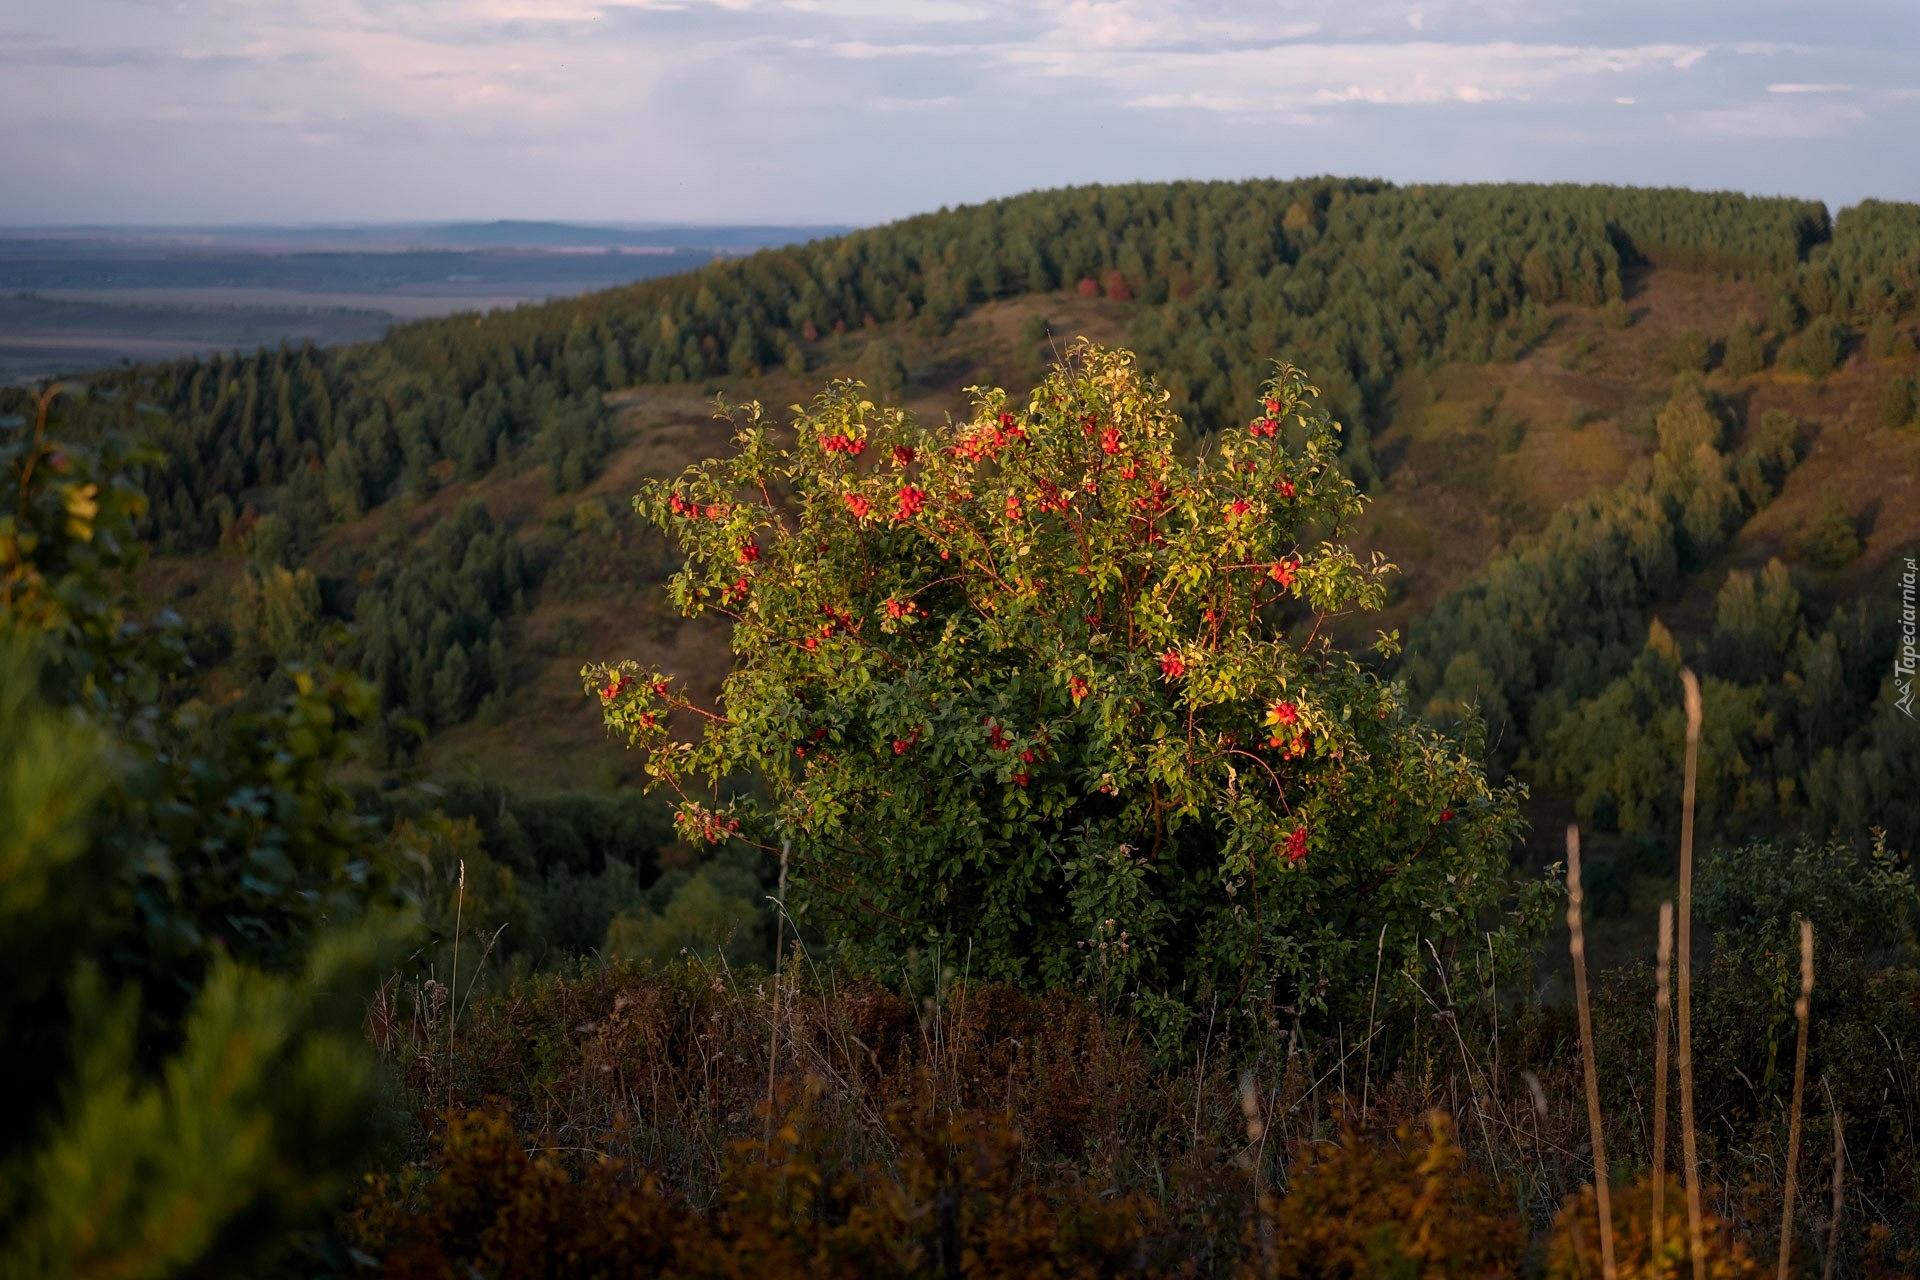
[[1745, 354], [1896, 402], [182, 902], [1829, 539], [1820, 346], [1046, 694], [883, 370]]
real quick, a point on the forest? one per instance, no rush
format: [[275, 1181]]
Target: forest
[[908, 842]]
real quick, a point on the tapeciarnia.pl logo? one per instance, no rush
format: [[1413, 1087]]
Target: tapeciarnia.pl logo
[[1908, 657]]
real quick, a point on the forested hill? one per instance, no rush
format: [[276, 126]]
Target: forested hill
[[1355, 280], [455, 491]]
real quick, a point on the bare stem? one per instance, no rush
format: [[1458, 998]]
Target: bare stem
[[1662, 1018], [1602, 1192], [1690, 1148], [1801, 1009], [1839, 1201], [453, 992]]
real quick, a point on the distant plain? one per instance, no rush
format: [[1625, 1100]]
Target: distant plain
[[80, 299]]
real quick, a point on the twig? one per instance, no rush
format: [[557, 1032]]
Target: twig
[[1801, 1009], [1366, 1079], [1690, 1148], [1663, 1016], [1577, 944], [453, 995], [773, 1022], [1839, 1163]]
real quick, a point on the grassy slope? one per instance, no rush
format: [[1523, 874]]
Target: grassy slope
[[1472, 456]]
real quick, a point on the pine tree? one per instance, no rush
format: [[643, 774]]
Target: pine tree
[[1896, 402], [1744, 356], [182, 978]]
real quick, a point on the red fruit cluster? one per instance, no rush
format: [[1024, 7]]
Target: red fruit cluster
[[1172, 665], [1267, 427], [859, 505], [687, 507], [1283, 572], [749, 553], [1240, 507], [911, 501], [997, 736], [737, 593], [1110, 440], [1296, 845], [903, 455], [844, 444], [712, 828], [615, 687], [1078, 688], [1284, 488], [1286, 713]]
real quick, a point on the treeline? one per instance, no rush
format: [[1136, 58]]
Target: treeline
[[1557, 645], [1355, 279]]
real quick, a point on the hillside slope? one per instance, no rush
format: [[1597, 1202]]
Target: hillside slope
[[458, 491]]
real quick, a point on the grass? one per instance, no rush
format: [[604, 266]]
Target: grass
[[687, 1101]]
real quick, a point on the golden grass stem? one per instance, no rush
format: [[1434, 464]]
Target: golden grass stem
[[1577, 944], [1690, 1147], [1662, 1017], [1801, 1010]]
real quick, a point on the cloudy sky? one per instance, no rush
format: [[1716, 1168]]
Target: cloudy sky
[[170, 111]]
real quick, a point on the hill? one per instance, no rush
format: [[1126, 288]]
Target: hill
[[1500, 356]]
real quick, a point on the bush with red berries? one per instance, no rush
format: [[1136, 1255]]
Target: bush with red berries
[[1050, 694]]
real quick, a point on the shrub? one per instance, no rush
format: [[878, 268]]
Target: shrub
[[949, 1205], [1050, 698], [1573, 1251], [1359, 1208], [1751, 896]]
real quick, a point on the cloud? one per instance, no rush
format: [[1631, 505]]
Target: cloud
[[673, 107], [1283, 78]]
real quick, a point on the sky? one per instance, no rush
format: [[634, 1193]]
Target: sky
[[860, 111]]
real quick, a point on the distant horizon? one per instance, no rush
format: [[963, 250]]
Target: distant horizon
[[378, 224], [630, 225]]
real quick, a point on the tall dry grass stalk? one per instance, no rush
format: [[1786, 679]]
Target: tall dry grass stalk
[[1662, 1017], [1577, 943], [1801, 1009], [1690, 1148]]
